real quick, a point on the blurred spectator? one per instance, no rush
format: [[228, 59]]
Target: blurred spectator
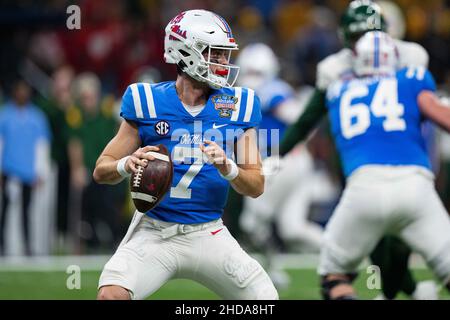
[[395, 20], [250, 27], [25, 136], [98, 45], [143, 45], [290, 17], [147, 74], [59, 109], [264, 7], [311, 44], [100, 204], [45, 50]]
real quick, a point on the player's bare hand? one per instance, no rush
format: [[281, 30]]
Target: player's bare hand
[[140, 157], [216, 156]]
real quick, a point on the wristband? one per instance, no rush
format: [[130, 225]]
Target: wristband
[[121, 167], [234, 172]]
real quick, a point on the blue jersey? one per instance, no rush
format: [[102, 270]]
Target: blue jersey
[[21, 128], [376, 120], [272, 94], [198, 193]]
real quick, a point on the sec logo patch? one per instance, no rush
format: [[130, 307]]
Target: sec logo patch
[[162, 128]]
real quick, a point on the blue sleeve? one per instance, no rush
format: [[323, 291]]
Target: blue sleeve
[[427, 82], [277, 100], [275, 92], [419, 79], [2, 122], [43, 124], [256, 116], [127, 109], [46, 129]]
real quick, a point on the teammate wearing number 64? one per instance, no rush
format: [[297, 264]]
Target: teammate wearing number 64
[[184, 236], [376, 119]]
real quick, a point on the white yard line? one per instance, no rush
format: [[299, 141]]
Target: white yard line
[[96, 262], [52, 263]]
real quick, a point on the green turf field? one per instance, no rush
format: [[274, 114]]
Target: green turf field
[[52, 285]]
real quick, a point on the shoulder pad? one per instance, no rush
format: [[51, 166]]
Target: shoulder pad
[[411, 54], [332, 68], [138, 102]]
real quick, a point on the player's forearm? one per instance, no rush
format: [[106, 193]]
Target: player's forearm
[[249, 182], [122, 145], [106, 171], [314, 111], [434, 109]]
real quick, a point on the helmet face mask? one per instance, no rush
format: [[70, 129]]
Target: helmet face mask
[[218, 74], [193, 40]]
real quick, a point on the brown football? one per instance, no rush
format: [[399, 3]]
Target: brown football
[[150, 184]]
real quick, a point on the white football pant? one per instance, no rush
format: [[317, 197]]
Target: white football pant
[[379, 200], [286, 200], [153, 252]]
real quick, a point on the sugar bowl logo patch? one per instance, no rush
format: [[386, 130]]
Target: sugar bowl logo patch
[[225, 104], [162, 128]]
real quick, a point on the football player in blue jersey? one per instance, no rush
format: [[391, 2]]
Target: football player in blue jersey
[[361, 16], [376, 120], [203, 121], [259, 70], [285, 203]]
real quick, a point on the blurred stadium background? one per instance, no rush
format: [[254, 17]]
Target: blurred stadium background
[[77, 77]]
